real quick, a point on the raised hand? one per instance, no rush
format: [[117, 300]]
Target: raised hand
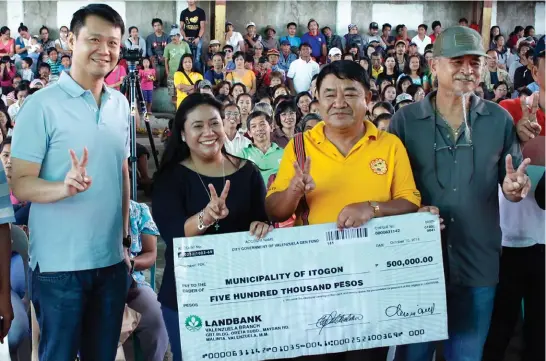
[[527, 127], [302, 182], [77, 180], [216, 209], [516, 183]]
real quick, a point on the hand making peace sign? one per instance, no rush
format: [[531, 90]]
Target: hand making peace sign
[[516, 182], [527, 127], [216, 209], [77, 180], [302, 182]]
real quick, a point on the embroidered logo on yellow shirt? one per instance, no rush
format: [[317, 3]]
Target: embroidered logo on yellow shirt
[[379, 166]]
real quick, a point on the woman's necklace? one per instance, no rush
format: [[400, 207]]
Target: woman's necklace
[[216, 223]]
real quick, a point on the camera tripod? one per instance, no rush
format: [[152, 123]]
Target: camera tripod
[[132, 90]]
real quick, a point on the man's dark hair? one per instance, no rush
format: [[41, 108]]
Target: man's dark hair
[[6, 141], [399, 26], [103, 11], [227, 46], [305, 44], [530, 53], [491, 51], [44, 65], [523, 44], [424, 26], [220, 54], [345, 69], [377, 53], [256, 114], [463, 20], [65, 56], [386, 25], [155, 20], [527, 30], [290, 24], [50, 50], [436, 23]]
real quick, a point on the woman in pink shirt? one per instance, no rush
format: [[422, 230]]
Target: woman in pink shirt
[[116, 76], [7, 44], [147, 77], [7, 72]]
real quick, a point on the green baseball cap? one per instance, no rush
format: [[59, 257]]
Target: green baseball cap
[[458, 41]]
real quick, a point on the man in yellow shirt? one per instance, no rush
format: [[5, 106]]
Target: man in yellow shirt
[[354, 171]]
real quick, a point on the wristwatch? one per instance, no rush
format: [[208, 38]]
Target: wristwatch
[[376, 210], [127, 241]]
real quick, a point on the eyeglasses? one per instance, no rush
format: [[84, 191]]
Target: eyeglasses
[[232, 114], [228, 51]]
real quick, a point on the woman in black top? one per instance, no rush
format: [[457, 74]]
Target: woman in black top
[[200, 189]]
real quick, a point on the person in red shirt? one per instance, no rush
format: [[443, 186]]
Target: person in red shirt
[[436, 30]]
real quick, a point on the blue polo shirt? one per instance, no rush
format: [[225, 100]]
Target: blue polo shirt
[[6, 209], [315, 42], [84, 231]]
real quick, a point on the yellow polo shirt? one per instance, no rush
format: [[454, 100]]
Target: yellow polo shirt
[[376, 169]]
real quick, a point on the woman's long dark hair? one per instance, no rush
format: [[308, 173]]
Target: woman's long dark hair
[[400, 82], [407, 69], [517, 29], [176, 150]]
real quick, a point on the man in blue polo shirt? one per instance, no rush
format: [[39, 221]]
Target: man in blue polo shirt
[[69, 158], [316, 40]]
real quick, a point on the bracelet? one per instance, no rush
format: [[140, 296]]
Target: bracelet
[[201, 221]]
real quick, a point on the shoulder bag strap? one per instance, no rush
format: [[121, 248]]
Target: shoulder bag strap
[[188, 77], [299, 149]]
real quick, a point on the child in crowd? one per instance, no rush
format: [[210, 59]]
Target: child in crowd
[[54, 61], [66, 63], [35, 47], [147, 77], [382, 121], [26, 71]]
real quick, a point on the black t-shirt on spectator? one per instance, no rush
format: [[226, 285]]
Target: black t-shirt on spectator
[[192, 21]]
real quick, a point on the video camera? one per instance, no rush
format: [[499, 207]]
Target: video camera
[[131, 55]]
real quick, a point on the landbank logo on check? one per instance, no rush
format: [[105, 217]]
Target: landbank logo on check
[[193, 323]]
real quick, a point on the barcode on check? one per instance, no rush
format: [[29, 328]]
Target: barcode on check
[[348, 233]]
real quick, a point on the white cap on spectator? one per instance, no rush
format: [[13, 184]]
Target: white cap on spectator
[[250, 24], [174, 31], [334, 51]]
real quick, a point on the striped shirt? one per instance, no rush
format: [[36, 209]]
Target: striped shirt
[[6, 209], [55, 66]]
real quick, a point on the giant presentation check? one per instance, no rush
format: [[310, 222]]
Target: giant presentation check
[[311, 290]]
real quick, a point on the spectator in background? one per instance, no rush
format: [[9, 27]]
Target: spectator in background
[[193, 22], [524, 75], [235, 141], [45, 41], [386, 36], [286, 56], [332, 40], [500, 90], [218, 72], [308, 122], [21, 93], [518, 59], [61, 44], [421, 39], [241, 74], [252, 38], [173, 53], [401, 57], [354, 39], [7, 72], [147, 77], [402, 34], [493, 74], [136, 42], [463, 22], [22, 43], [334, 55], [529, 32], [302, 70], [436, 30], [155, 46], [7, 44], [373, 35], [316, 41], [286, 117], [292, 38], [185, 78], [270, 40], [493, 33], [503, 53], [515, 36], [233, 38]]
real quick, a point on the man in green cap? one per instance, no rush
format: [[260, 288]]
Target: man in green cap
[[461, 149]]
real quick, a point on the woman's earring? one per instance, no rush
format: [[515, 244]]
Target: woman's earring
[[183, 138]]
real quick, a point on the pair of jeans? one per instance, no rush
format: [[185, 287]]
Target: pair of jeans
[[521, 279], [469, 312], [170, 317], [79, 311], [197, 51]]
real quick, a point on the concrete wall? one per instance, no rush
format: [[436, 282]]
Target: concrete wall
[[3, 13], [279, 13], [140, 14], [510, 14], [39, 13]]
